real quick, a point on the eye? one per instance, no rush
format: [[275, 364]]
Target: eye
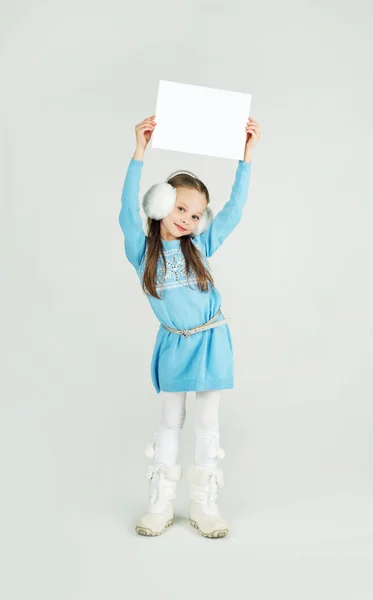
[[180, 208], [195, 217]]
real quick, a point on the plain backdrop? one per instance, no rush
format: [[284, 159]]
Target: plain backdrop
[[77, 333]]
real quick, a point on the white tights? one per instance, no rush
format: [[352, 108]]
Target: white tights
[[167, 436]]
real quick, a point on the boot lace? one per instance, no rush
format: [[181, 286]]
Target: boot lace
[[212, 493], [214, 446], [154, 482]]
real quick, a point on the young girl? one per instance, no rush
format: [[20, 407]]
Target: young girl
[[193, 348]]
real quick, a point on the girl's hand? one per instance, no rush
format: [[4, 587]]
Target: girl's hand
[[144, 132], [252, 135]]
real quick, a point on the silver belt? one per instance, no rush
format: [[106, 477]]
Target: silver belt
[[209, 325]]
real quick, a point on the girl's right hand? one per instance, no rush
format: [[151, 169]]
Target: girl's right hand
[[144, 132]]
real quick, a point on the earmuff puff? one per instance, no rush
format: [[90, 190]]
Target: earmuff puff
[[159, 201], [204, 221]]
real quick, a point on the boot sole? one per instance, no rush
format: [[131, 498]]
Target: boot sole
[[150, 533], [218, 533]]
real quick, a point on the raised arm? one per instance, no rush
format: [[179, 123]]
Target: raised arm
[[129, 216], [230, 215]]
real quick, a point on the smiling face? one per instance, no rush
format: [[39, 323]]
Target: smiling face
[[183, 219]]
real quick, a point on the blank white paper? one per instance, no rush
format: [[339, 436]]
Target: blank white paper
[[201, 120]]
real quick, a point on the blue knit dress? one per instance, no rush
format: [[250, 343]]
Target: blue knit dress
[[203, 361]]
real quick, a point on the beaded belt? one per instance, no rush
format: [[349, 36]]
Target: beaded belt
[[209, 325]]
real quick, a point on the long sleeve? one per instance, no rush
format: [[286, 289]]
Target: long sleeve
[[230, 215], [129, 216]]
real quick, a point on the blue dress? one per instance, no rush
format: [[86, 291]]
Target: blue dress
[[203, 361]]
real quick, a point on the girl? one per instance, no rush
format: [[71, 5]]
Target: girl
[[193, 348]]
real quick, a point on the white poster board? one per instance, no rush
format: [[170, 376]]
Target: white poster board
[[201, 120]]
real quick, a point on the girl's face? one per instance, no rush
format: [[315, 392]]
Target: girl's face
[[183, 219]]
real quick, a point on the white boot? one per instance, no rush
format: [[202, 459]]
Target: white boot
[[162, 487], [204, 515]]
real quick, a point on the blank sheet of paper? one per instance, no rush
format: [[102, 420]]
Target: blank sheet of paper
[[201, 120]]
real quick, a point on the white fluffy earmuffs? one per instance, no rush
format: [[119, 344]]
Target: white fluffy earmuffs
[[160, 199]]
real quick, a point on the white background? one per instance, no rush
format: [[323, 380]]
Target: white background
[[77, 403]]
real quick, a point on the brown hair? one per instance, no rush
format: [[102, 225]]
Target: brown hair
[[192, 256]]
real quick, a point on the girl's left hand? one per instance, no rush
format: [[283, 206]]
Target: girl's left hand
[[252, 133]]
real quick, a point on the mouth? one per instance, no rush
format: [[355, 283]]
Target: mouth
[[180, 228]]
